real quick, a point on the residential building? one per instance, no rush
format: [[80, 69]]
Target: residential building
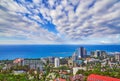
[[74, 56], [57, 62], [117, 56], [33, 63], [18, 61], [75, 69], [78, 77], [99, 53]]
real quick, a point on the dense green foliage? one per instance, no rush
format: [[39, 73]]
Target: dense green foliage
[[111, 72], [11, 77]]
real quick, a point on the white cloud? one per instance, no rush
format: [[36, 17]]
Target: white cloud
[[89, 22], [79, 21], [15, 27]]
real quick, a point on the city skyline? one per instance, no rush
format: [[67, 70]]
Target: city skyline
[[59, 22]]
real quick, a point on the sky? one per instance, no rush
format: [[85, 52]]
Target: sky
[[59, 21]]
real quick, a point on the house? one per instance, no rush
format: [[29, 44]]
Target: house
[[75, 69], [78, 77]]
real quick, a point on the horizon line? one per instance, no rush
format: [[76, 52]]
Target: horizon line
[[59, 44]]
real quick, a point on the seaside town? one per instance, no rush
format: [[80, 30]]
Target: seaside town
[[59, 40], [99, 65]]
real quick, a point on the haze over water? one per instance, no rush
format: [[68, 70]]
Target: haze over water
[[37, 51]]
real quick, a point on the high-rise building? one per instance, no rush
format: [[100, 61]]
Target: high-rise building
[[57, 62], [81, 52], [74, 56], [98, 53]]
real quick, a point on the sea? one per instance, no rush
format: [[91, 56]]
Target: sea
[[41, 51]]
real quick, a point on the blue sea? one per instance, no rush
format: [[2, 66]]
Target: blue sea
[[37, 51]]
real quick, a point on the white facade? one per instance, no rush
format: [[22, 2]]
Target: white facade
[[18, 72], [57, 62], [79, 53], [74, 57], [75, 69]]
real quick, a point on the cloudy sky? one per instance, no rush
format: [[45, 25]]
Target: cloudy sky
[[59, 21]]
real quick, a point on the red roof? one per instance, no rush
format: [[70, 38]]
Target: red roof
[[94, 77], [59, 79], [18, 60]]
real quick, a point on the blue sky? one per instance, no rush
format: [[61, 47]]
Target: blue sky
[[59, 22]]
